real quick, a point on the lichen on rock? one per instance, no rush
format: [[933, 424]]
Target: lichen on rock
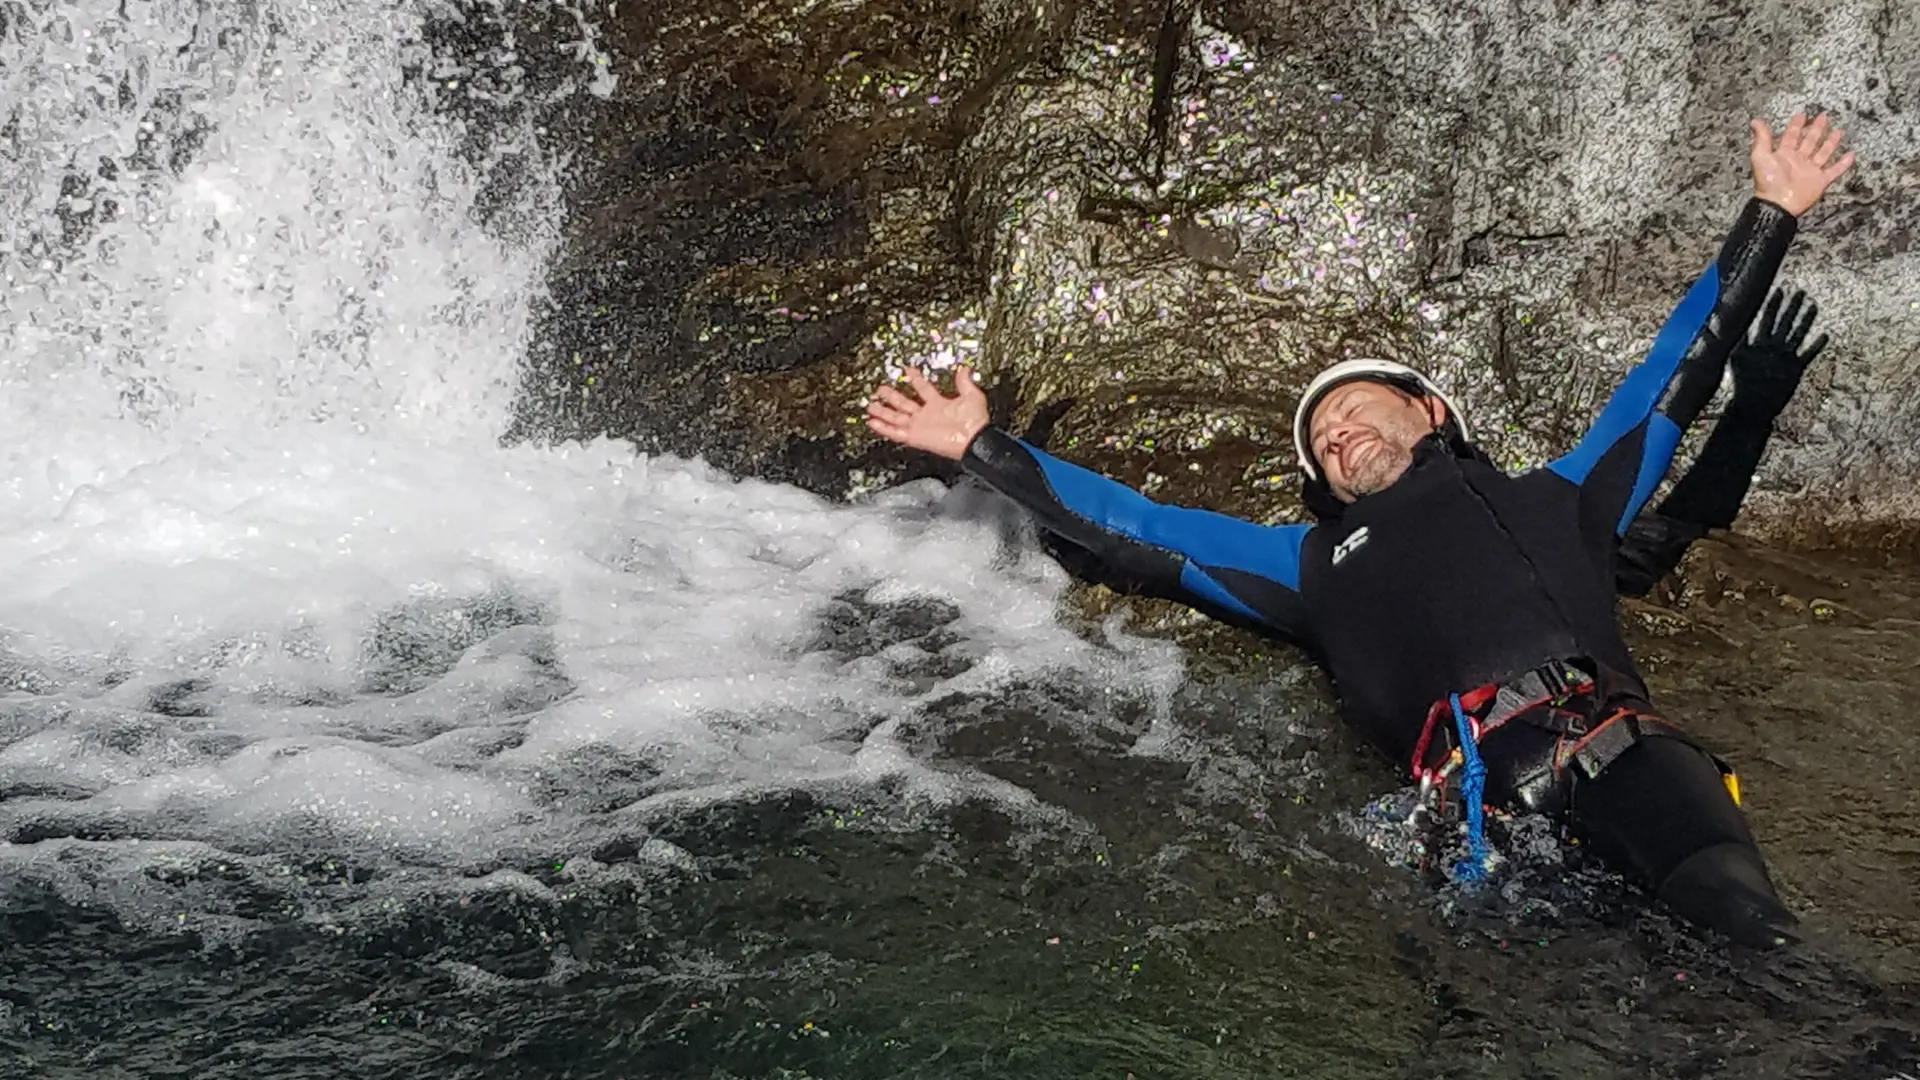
[[1173, 214]]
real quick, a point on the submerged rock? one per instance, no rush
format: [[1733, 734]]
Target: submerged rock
[[1173, 214]]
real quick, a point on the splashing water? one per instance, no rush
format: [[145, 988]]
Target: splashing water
[[289, 641], [274, 590]]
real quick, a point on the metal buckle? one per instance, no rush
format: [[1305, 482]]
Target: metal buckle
[[1541, 791], [1507, 701], [1553, 680], [1563, 677]]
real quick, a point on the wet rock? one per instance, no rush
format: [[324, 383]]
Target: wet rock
[[1176, 213], [722, 224]]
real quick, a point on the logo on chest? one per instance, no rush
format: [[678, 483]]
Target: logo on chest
[[1354, 542]]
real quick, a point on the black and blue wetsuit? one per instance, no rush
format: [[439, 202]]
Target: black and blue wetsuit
[[1767, 370], [1459, 574]]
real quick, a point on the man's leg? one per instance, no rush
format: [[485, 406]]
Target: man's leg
[[1662, 810], [1645, 799], [1766, 372]]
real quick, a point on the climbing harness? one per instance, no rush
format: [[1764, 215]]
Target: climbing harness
[[1561, 698]]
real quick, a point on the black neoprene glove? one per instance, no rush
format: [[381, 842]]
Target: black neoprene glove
[[1767, 367], [1766, 371]]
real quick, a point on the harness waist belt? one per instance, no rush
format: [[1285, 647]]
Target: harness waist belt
[[1577, 728]]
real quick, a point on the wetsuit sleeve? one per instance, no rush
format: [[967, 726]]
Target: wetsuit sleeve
[[1706, 497], [1216, 562], [1630, 446], [1652, 545], [1710, 493]]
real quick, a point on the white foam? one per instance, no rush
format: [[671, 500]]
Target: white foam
[[272, 585]]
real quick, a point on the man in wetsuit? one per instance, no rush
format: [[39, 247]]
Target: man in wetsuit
[[1766, 372], [1467, 616]]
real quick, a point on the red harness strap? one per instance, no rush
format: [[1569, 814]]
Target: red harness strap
[[1609, 738], [1491, 706], [1488, 708], [1548, 698]]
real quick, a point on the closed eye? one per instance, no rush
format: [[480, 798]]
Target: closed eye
[[1342, 412]]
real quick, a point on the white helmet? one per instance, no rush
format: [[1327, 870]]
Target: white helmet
[[1346, 371]]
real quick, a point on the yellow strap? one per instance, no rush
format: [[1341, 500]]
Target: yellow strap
[[1733, 785]]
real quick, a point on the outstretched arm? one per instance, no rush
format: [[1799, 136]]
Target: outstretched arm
[[1766, 372], [1630, 446], [1247, 573], [1250, 570], [1150, 575]]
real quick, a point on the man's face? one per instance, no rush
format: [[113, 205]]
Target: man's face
[[1363, 434]]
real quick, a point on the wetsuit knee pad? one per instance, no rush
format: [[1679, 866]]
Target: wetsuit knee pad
[[1727, 888], [1663, 811]]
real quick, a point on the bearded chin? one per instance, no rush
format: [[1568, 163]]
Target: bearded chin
[[1380, 473]]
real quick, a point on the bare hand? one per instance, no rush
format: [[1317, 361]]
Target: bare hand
[[1796, 171], [936, 423]]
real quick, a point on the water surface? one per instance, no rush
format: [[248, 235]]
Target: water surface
[[339, 739]]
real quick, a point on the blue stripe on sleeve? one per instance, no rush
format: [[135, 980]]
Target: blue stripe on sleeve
[[1640, 391], [1271, 551], [1200, 583], [1105, 502], [1662, 439]]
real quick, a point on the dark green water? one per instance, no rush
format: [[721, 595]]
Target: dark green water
[[1195, 895], [1209, 909]]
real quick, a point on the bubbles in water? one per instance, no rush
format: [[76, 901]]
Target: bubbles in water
[[276, 595], [238, 222]]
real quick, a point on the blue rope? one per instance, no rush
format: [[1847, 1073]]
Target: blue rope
[[1473, 787]]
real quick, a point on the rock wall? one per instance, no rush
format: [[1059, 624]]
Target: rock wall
[[1173, 213]]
